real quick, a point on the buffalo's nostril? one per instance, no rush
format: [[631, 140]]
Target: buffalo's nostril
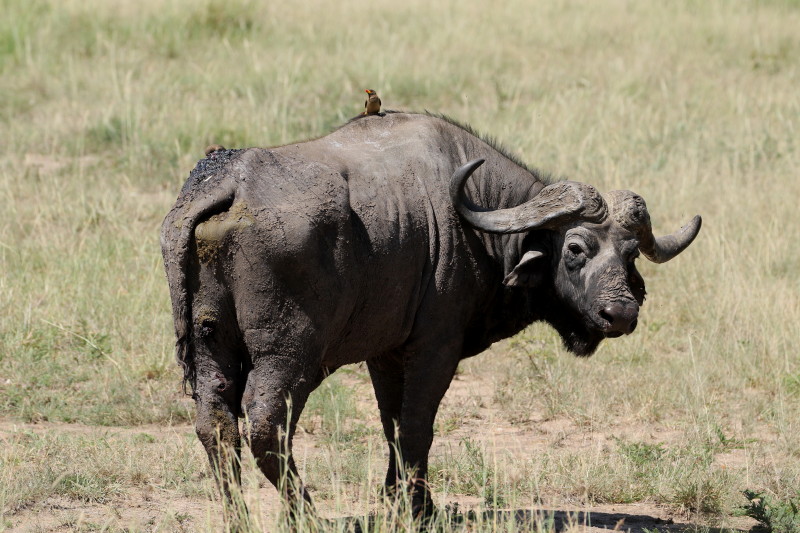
[[621, 318]]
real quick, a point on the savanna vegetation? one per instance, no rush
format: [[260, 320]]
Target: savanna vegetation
[[105, 106]]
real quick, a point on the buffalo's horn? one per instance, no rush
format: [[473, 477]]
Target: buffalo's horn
[[629, 211], [556, 204]]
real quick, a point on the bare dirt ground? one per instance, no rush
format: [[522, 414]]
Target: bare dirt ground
[[156, 509], [147, 511]]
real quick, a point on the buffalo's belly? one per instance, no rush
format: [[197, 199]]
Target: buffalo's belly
[[387, 290]]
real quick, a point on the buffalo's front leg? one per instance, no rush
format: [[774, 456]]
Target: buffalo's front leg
[[427, 376], [387, 380]]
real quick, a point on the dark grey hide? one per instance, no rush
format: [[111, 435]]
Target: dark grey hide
[[367, 245]]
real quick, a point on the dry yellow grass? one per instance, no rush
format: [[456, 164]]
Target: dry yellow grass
[[106, 105]]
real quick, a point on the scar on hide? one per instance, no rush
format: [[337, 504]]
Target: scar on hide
[[223, 382]]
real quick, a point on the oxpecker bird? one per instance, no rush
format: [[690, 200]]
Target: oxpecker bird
[[213, 148], [372, 105]]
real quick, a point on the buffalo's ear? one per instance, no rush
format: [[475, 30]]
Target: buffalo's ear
[[528, 272]]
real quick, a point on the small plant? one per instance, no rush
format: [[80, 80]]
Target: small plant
[[723, 442], [792, 384], [772, 516], [641, 453], [704, 495]]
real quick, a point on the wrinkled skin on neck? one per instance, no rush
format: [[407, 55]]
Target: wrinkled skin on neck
[[596, 288]]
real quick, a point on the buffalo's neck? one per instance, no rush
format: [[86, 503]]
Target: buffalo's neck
[[508, 310], [505, 250], [503, 184], [500, 183]]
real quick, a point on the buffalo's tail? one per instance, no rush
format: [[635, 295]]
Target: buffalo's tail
[[177, 230]]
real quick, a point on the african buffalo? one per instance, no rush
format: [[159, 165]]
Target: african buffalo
[[374, 244]]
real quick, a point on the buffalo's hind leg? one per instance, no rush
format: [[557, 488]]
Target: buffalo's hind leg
[[277, 388], [217, 394]]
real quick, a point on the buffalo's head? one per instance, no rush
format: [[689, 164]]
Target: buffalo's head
[[586, 255]]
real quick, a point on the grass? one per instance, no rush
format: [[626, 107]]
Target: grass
[[106, 105], [95, 465], [773, 516]]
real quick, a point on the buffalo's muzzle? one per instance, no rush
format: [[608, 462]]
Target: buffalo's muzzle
[[621, 318]]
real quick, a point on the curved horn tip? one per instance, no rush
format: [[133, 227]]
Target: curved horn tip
[[460, 176], [693, 227], [668, 246], [472, 165]]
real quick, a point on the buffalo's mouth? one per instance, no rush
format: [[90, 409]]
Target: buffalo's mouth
[[584, 336], [610, 332], [602, 327], [582, 333]]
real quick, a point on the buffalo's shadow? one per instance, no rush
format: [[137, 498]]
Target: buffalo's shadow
[[552, 520], [528, 520]]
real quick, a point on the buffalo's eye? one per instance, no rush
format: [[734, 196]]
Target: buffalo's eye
[[575, 248]]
